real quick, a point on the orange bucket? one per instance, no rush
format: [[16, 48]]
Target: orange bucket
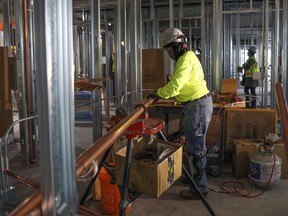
[[110, 195]]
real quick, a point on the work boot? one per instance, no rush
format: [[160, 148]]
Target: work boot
[[190, 195]]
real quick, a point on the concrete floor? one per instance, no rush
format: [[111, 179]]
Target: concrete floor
[[271, 202]]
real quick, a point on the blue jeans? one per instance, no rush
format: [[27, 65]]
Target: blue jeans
[[196, 118], [253, 99]]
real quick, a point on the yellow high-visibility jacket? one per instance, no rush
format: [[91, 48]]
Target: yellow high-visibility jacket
[[187, 82], [251, 66]]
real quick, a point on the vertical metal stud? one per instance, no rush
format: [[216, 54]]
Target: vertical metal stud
[[203, 38], [54, 76], [285, 48], [153, 21], [121, 47], [171, 24], [276, 71], [217, 23], [266, 40], [21, 83], [96, 67], [134, 71]]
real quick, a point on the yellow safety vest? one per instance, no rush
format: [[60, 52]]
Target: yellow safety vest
[[253, 69], [187, 82]]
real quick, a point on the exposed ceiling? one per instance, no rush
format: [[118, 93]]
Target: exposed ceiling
[[85, 4], [110, 4]]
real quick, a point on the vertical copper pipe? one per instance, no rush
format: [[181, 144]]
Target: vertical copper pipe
[[84, 161], [27, 79], [282, 104]]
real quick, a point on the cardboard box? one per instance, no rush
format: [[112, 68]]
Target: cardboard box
[[229, 89], [153, 70], [6, 115], [247, 124], [245, 149], [145, 177], [279, 149], [5, 103], [229, 85]]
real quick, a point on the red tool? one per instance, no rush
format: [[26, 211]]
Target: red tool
[[144, 125]]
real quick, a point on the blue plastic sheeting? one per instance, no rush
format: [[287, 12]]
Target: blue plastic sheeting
[[82, 95], [83, 116]]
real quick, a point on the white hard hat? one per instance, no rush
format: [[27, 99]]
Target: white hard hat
[[171, 35], [252, 49]]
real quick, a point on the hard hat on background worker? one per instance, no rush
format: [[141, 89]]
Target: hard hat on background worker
[[172, 35], [252, 49]]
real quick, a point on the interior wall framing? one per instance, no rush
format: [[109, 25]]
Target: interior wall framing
[[54, 79], [245, 24]]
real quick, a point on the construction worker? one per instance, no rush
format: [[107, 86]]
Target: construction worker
[[250, 82], [187, 86]]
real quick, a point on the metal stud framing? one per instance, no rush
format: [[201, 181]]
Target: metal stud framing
[[96, 67], [121, 54], [54, 73]]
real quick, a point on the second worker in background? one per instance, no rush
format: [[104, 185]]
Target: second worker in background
[[251, 79], [188, 86]]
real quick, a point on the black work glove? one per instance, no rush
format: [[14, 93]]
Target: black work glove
[[154, 96]]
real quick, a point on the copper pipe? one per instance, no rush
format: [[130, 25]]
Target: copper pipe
[[83, 84], [27, 80], [99, 147], [282, 104], [34, 203], [31, 203], [22, 179], [101, 79], [165, 102], [84, 161]]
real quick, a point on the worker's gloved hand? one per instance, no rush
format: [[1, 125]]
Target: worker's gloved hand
[[153, 95]]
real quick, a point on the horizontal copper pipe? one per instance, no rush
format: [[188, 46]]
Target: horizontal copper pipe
[[100, 79], [34, 203], [86, 85], [30, 204], [22, 179], [85, 160], [282, 104]]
